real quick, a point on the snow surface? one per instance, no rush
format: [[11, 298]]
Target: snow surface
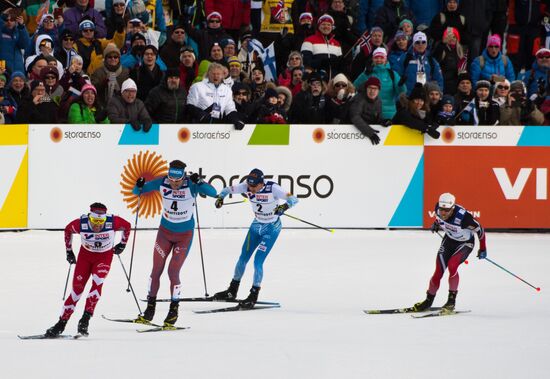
[[323, 281]]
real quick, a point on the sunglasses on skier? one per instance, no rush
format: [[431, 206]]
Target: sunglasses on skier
[[97, 220]]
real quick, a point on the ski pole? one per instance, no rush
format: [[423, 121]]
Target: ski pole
[[134, 240], [309, 223], [130, 284], [514, 275], [67, 281], [235, 202], [200, 247]]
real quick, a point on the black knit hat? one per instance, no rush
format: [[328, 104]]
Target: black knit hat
[[418, 92], [171, 72], [464, 76]]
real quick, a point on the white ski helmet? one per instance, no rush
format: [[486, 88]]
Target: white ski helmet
[[446, 200]]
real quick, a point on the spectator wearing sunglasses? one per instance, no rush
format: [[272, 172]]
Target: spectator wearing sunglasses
[[46, 25], [501, 92], [205, 38], [170, 52], [519, 109], [13, 38], [492, 64], [115, 20], [73, 17], [235, 12], [50, 76], [65, 51], [536, 79]]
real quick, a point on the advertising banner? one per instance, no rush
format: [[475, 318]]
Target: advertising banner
[[339, 177]]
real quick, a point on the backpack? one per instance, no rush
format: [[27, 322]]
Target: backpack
[[482, 61]]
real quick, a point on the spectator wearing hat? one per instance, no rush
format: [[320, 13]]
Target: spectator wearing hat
[[73, 16], [302, 29], [235, 70], [50, 76], [243, 104], [407, 27], [501, 92], [452, 59], [87, 110], [322, 51], [7, 105], [449, 17], [211, 101], [35, 66], [363, 59], [72, 82], [284, 97], [398, 49], [13, 38], [418, 66], [115, 18], [236, 14], [258, 85], [166, 102], [43, 48], [143, 10], [269, 110], [433, 98], [391, 14], [216, 54], [366, 109], [65, 51], [492, 64], [294, 60], [205, 38], [309, 105], [134, 58], [46, 26], [243, 55], [339, 95], [519, 109], [17, 90], [446, 115], [343, 31], [229, 47], [135, 26], [413, 112], [126, 108], [148, 74], [38, 108], [536, 79], [170, 51], [482, 110], [389, 79], [91, 48], [188, 67], [465, 92], [108, 78]]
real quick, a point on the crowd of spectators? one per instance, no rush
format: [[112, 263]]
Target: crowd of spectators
[[419, 63]]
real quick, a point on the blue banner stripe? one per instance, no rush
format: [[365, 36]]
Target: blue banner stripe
[[130, 137], [410, 209], [535, 136]]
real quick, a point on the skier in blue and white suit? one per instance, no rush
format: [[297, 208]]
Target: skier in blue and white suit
[[265, 197]]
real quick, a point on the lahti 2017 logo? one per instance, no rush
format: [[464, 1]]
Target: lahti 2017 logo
[[150, 166]]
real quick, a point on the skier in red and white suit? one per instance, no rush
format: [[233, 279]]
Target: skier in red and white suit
[[97, 232]]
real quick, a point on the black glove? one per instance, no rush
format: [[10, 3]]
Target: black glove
[[195, 178], [370, 133], [100, 114], [239, 125], [219, 202], [135, 125], [140, 182], [70, 257], [432, 132], [119, 248], [280, 209], [147, 127], [435, 227], [482, 253], [206, 118], [386, 123]]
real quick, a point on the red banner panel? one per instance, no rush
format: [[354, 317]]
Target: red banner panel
[[503, 186]]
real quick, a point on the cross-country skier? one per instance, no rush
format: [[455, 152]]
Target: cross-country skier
[[459, 226], [97, 232], [265, 197], [175, 233]]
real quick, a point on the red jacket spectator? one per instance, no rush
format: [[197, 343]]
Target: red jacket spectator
[[235, 13]]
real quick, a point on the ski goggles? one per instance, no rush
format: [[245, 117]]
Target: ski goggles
[[176, 174], [97, 219]]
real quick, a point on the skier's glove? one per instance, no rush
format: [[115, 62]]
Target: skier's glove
[[70, 257], [119, 248], [435, 227], [140, 182], [280, 209], [195, 178], [219, 202], [482, 253]]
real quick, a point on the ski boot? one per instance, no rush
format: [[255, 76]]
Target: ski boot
[[57, 329], [83, 323], [230, 293], [149, 311], [451, 300], [172, 315], [250, 301], [424, 305]]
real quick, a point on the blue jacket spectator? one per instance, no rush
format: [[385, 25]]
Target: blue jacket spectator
[[536, 79], [367, 12], [13, 38], [398, 50], [492, 63], [425, 10]]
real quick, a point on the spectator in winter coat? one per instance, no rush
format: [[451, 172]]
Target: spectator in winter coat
[[446, 116], [413, 112], [464, 93], [86, 110], [50, 77], [309, 105], [366, 109], [38, 108], [482, 110], [65, 51], [166, 102], [536, 79], [451, 57], [188, 67], [147, 75], [269, 111], [425, 10], [243, 105], [205, 38], [108, 78], [433, 98], [343, 31], [295, 85], [391, 14], [126, 108], [389, 79], [43, 48], [17, 89], [501, 92], [236, 14], [284, 97], [73, 16], [294, 60], [519, 109], [419, 66], [363, 58], [322, 51], [135, 56], [492, 64], [46, 26], [170, 52], [398, 50], [367, 12], [340, 94], [72, 82], [115, 19], [212, 101], [13, 38], [450, 17]]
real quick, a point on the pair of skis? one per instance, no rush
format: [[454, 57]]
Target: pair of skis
[[155, 327], [431, 312], [45, 337], [259, 304]]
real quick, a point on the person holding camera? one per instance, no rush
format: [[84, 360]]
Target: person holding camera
[[178, 191], [38, 108], [482, 110], [520, 110]]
